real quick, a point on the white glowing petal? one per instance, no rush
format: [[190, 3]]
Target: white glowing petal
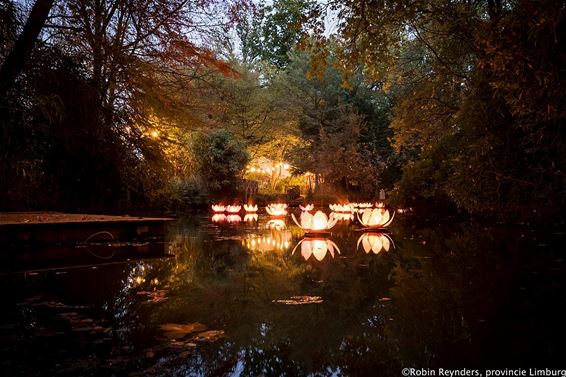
[[385, 217], [375, 217], [376, 244], [306, 220], [319, 249], [319, 221], [366, 244], [386, 243], [366, 216], [330, 248], [306, 249]]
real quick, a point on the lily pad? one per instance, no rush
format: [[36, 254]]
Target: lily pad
[[177, 331]]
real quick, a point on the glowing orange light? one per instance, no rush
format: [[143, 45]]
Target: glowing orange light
[[277, 209], [316, 247], [376, 218], [233, 209], [375, 242], [250, 207], [316, 223], [341, 207], [218, 208], [308, 207]]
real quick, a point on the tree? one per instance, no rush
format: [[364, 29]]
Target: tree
[[273, 31], [474, 88], [16, 60], [343, 125], [221, 160]]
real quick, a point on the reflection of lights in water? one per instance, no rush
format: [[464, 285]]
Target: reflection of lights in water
[[317, 247], [218, 218], [375, 242], [308, 207], [137, 276], [318, 222], [250, 217], [275, 240], [276, 224], [276, 209], [376, 218], [233, 218], [218, 208], [250, 207], [342, 216]]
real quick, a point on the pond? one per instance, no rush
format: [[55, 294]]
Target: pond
[[241, 299]]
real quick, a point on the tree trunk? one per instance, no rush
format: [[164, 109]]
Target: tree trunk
[[18, 57]]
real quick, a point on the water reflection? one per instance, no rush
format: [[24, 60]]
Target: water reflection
[[275, 240], [276, 224], [250, 217], [375, 242], [316, 247], [222, 218], [233, 218], [218, 218], [453, 295]]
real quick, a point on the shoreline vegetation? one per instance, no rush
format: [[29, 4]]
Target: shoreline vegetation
[[453, 108]]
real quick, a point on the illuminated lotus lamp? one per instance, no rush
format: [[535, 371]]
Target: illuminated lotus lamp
[[250, 207], [307, 208], [233, 219], [276, 224], [218, 218], [277, 209], [376, 218], [364, 205], [318, 223], [218, 208], [342, 216], [250, 217], [341, 207], [316, 247], [379, 205], [375, 242], [233, 209]]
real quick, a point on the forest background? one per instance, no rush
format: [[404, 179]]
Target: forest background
[[115, 105]]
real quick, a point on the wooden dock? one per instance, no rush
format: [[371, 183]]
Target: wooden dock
[[23, 229]]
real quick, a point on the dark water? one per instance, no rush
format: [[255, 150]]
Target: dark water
[[234, 300]]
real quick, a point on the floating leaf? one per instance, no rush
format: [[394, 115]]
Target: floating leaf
[[176, 331], [210, 335], [301, 300]]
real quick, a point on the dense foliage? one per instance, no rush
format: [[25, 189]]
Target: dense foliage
[[475, 86], [120, 105]]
